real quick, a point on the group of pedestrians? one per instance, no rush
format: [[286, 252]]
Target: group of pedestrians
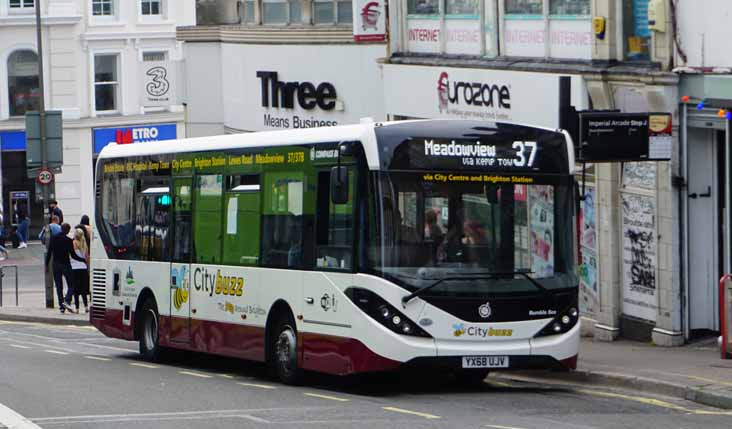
[[69, 259]]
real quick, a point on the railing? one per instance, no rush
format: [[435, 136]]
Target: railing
[[2, 277], [725, 313]]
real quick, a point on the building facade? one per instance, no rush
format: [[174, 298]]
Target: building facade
[[279, 65], [110, 66], [510, 53]]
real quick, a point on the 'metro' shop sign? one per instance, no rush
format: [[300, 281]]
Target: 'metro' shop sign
[[129, 135]]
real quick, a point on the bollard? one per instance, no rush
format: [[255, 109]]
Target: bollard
[[725, 315]]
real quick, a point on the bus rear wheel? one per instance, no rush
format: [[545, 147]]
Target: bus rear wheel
[[149, 332], [283, 356]]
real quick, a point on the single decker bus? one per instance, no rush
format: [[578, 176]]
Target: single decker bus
[[349, 249]]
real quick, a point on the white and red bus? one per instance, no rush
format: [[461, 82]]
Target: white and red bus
[[348, 249]]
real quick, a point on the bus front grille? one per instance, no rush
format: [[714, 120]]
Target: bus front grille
[[99, 297]]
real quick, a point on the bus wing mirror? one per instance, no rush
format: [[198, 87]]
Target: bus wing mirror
[[339, 185]]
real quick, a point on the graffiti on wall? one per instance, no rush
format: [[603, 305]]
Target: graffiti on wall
[[639, 256]]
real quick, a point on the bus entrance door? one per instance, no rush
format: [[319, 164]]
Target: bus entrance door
[[180, 304]]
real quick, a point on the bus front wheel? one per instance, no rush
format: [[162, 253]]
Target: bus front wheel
[[149, 332], [284, 351]]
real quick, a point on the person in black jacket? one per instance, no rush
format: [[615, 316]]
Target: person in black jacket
[[61, 248]]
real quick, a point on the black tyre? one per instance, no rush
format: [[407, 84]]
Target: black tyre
[[283, 350], [149, 332]]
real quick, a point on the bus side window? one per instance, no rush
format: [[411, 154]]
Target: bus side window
[[241, 220], [334, 226], [118, 217], [282, 219], [153, 220], [207, 219], [182, 219]]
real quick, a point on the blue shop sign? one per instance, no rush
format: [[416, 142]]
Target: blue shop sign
[[128, 135], [12, 140]]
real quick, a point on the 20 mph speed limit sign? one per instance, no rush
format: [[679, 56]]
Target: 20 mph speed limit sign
[[45, 177]]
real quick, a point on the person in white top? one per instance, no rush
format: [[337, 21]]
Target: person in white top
[[80, 269]]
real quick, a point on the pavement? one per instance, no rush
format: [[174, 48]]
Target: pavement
[[693, 372]]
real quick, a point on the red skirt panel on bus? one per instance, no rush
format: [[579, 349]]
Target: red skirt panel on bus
[[341, 356], [112, 325]]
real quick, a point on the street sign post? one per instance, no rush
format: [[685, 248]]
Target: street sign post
[[45, 176]]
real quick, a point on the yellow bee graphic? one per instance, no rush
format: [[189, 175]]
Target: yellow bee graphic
[[180, 297], [229, 307]]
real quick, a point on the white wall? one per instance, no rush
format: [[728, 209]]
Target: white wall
[[351, 69], [204, 91], [705, 31]]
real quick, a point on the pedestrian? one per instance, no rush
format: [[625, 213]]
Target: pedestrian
[[84, 225], [61, 248], [54, 210], [3, 250], [23, 225], [80, 269]]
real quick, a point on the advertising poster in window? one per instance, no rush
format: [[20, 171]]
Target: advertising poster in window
[[369, 20], [158, 83], [462, 36], [541, 226], [589, 296], [423, 35], [639, 257]]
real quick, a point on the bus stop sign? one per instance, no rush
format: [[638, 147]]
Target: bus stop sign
[[623, 137]]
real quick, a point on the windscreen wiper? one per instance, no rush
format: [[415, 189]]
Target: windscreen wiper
[[477, 276]]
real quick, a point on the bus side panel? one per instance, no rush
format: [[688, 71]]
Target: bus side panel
[[228, 339], [342, 355]]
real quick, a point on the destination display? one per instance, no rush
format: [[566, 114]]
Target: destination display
[[477, 154]]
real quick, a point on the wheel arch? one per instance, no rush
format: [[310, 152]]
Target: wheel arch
[[145, 294], [279, 308]]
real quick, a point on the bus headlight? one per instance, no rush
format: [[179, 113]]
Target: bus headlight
[[564, 322], [384, 313]]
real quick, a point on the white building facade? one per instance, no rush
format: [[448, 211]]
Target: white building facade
[[111, 67]]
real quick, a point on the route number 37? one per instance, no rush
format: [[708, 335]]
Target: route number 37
[[524, 159]]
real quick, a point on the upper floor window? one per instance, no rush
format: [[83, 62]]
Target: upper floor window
[[23, 82], [103, 7], [332, 12], [151, 7], [525, 7], [106, 82], [423, 7], [279, 12], [635, 28], [21, 5]]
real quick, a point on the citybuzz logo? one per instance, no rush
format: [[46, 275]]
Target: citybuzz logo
[[217, 283], [460, 329], [471, 93]]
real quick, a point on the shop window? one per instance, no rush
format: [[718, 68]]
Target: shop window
[[423, 7], [635, 27], [103, 7], [21, 6], [274, 11], [569, 7], [556, 28], [248, 11], [282, 219], [106, 83], [23, 82], [462, 7], [151, 7], [332, 12], [524, 7]]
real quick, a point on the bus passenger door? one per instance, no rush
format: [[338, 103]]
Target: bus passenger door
[[180, 269]]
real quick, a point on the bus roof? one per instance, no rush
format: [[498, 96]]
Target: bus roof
[[363, 132]]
